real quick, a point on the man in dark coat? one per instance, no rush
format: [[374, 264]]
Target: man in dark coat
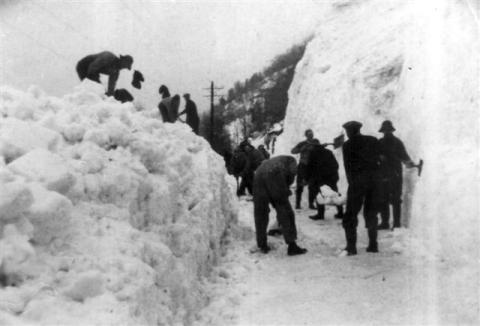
[[192, 114], [393, 154], [105, 63], [361, 159], [253, 160], [303, 148], [322, 169], [237, 164], [272, 186]]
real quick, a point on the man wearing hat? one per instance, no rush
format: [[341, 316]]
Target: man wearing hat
[[393, 154], [192, 114], [361, 160]]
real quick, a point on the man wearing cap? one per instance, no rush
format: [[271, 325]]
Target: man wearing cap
[[105, 63], [271, 186], [393, 154], [192, 114], [361, 160], [304, 148]]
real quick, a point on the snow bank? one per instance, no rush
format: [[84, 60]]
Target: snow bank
[[107, 215], [415, 63]]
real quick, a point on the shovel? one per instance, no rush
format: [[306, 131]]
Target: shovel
[[419, 166], [337, 142]]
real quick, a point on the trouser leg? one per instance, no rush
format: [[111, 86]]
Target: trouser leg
[[312, 193], [286, 218], [321, 211], [397, 201], [298, 196], [261, 210], [397, 211], [242, 187], [355, 196], [339, 211]]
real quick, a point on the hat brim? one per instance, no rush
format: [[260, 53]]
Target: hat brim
[[386, 129]]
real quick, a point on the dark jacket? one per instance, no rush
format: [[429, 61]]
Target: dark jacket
[[393, 154], [238, 162], [93, 65], [304, 148], [360, 156], [322, 166], [275, 174], [254, 159], [192, 115]]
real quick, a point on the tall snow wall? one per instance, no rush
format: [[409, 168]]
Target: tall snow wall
[[107, 215], [417, 64]]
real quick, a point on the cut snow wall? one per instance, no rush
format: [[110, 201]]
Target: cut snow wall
[[107, 215], [415, 63]]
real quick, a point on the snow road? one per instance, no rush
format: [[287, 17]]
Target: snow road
[[392, 287]]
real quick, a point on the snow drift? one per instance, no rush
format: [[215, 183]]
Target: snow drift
[[107, 215], [415, 63]]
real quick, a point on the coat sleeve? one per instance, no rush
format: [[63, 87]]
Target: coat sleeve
[[402, 152], [298, 148], [346, 161]]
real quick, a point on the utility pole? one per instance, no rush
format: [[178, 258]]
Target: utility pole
[[212, 96]]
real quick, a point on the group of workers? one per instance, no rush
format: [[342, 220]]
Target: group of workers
[[373, 168], [107, 63]]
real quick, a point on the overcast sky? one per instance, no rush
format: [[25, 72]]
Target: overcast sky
[[182, 44]]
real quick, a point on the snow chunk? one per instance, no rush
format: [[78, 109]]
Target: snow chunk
[[86, 285], [16, 254], [49, 214], [45, 167], [15, 199], [18, 137]]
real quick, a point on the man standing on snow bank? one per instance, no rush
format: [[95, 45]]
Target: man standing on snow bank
[[304, 148], [393, 154], [271, 185], [361, 159], [192, 114], [105, 63]]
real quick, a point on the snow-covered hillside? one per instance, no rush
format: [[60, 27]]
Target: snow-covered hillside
[[107, 215], [415, 63]]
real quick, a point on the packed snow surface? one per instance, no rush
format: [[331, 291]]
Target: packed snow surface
[[107, 215], [416, 64]]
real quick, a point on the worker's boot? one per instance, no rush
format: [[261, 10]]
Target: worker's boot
[[320, 213], [298, 199], [351, 236], [264, 249], [397, 211], [372, 240], [294, 249]]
